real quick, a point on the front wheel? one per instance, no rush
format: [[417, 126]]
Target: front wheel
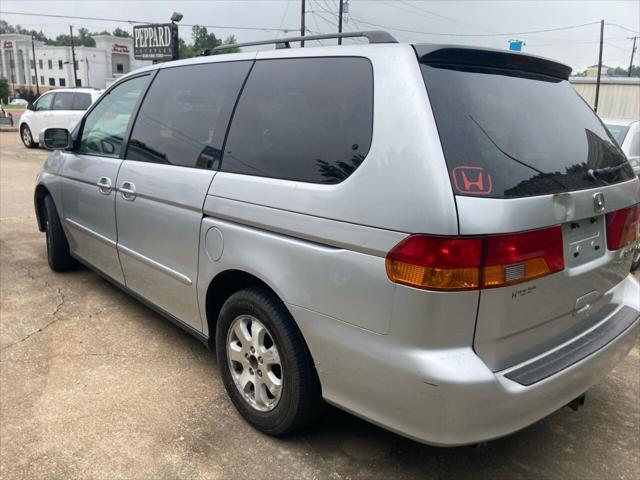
[[27, 137], [58, 254], [265, 366]]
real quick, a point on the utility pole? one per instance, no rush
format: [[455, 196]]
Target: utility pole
[[302, 27], [340, 21], [73, 58], [35, 65], [595, 106], [633, 50]]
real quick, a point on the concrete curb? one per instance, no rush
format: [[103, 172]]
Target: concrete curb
[[5, 128]]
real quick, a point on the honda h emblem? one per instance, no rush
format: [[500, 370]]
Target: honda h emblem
[[598, 202], [472, 180]]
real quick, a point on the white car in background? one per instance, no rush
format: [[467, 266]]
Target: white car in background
[[60, 108], [19, 101], [627, 134]]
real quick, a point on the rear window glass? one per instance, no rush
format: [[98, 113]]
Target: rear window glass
[[81, 101], [619, 132], [305, 119], [507, 134]]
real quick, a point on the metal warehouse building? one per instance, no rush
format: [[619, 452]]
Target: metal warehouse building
[[619, 96]]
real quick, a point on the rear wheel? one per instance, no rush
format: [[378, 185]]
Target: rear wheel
[[265, 366], [27, 137], [58, 254]]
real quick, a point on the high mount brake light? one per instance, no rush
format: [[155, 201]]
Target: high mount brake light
[[469, 263], [622, 227]]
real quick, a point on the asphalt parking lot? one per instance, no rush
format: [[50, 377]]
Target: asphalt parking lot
[[95, 385]]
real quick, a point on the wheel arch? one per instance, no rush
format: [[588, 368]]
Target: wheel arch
[[225, 284], [38, 199]]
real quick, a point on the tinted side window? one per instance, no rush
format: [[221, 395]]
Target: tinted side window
[[306, 119], [44, 102], [184, 116], [63, 101], [104, 127], [81, 101], [634, 149]]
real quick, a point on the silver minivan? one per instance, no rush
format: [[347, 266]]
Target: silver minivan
[[434, 238]]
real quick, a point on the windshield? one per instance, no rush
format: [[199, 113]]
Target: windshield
[[619, 132], [509, 134]]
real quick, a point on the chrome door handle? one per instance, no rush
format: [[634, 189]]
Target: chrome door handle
[[104, 185], [128, 191]]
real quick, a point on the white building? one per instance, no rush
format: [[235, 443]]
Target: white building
[[95, 66]]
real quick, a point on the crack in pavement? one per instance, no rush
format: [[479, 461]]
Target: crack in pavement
[[56, 310]]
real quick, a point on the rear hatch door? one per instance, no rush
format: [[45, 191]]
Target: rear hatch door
[[525, 152]]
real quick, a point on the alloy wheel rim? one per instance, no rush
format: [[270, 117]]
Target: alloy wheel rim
[[26, 136], [254, 363]]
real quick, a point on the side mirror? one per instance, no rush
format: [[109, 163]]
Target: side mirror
[[31, 107], [55, 138]]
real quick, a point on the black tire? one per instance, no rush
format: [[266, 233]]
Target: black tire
[[27, 137], [301, 399], [58, 256]]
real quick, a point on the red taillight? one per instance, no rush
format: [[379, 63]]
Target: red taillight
[[436, 263], [622, 227], [459, 263], [518, 257]]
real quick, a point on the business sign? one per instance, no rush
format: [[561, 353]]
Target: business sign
[[120, 48], [7, 44], [155, 42]]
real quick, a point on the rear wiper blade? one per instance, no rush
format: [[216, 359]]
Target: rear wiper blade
[[594, 172]]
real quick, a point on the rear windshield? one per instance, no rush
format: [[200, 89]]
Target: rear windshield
[[507, 134], [619, 132]]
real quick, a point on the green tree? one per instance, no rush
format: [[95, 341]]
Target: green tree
[[4, 89], [202, 39], [186, 50], [118, 32], [6, 28], [230, 40]]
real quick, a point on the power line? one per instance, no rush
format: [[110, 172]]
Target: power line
[[477, 34], [284, 15], [415, 10], [623, 28], [131, 22]]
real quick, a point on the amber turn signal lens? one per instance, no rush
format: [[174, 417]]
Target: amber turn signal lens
[[466, 263], [433, 278], [436, 263]]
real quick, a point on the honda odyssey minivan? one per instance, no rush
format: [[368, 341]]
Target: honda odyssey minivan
[[435, 238]]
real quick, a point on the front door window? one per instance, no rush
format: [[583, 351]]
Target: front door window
[[104, 127]]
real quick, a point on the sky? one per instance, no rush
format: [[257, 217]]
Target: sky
[[462, 22]]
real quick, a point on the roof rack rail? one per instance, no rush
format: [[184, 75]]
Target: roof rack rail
[[374, 36]]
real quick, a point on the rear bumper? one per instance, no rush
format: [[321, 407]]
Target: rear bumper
[[450, 397]]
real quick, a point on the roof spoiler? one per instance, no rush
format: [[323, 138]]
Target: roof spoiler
[[457, 56]]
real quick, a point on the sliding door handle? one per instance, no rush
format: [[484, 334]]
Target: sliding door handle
[[104, 185], [128, 191]]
